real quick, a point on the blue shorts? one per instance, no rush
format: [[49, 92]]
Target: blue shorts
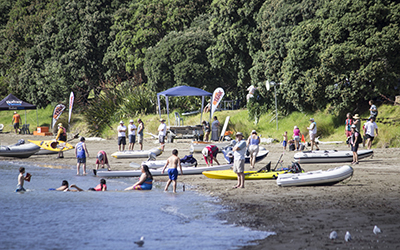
[[284, 143], [81, 160], [173, 174], [132, 138]]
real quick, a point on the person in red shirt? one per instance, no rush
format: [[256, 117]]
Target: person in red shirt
[[210, 153]]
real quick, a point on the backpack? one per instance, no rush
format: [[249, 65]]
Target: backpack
[[359, 139], [189, 159]]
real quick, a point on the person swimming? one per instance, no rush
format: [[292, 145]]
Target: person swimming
[[101, 187], [145, 181]]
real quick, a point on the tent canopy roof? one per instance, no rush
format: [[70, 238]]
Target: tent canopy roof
[[184, 91], [13, 103]]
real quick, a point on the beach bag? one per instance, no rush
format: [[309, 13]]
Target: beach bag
[[292, 147], [189, 159]]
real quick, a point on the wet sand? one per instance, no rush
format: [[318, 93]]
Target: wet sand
[[302, 217]]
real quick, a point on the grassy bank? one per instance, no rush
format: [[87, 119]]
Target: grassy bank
[[330, 128]]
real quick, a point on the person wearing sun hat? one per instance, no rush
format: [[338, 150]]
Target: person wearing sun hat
[[132, 134], [61, 137], [239, 151], [357, 122], [312, 131], [121, 136], [162, 132]]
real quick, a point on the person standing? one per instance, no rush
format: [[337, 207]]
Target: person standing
[[21, 179], [132, 134], [207, 129], [239, 151], [253, 143], [357, 122], [354, 141], [285, 140], [210, 153], [80, 153], [121, 136], [214, 129], [373, 111], [172, 163], [61, 136], [102, 159], [347, 127], [312, 131], [370, 127], [162, 132], [296, 137], [15, 121], [140, 129]]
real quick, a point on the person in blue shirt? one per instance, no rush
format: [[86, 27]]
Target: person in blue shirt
[[80, 153], [239, 151]]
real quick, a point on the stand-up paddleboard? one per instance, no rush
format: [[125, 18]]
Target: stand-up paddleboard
[[320, 177], [51, 145], [329, 156], [158, 171], [137, 153]]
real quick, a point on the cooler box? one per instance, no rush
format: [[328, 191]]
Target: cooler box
[[43, 131]]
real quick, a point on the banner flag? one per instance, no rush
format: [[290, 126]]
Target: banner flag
[[57, 113], [216, 99], [71, 104], [303, 140]]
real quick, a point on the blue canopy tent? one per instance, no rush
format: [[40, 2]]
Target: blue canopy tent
[[182, 91], [13, 103]]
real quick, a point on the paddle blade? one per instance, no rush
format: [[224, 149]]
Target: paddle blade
[[268, 167]]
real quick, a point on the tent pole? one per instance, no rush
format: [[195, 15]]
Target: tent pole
[[201, 110], [167, 110], [37, 118], [25, 116]]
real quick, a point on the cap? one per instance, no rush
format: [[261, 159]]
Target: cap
[[15, 112], [162, 120], [121, 122], [205, 152], [356, 116], [254, 132], [130, 121], [296, 127], [311, 119], [100, 156], [239, 133]]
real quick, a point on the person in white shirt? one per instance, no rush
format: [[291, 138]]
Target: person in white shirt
[[132, 134], [369, 129], [121, 136], [162, 132], [312, 131]]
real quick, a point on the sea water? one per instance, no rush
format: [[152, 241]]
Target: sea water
[[43, 219]]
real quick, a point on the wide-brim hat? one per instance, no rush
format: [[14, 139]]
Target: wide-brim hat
[[130, 121], [162, 120], [254, 132], [121, 122], [311, 119], [239, 133], [356, 116]]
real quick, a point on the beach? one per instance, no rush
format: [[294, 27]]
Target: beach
[[302, 217]]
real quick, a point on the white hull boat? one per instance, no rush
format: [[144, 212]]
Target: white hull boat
[[158, 171], [137, 153], [329, 156], [315, 178], [197, 147], [157, 164], [262, 153], [19, 151]]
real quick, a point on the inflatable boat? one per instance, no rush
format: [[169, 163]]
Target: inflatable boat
[[228, 155], [329, 156], [315, 178], [158, 171], [137, 153], [19, 150]]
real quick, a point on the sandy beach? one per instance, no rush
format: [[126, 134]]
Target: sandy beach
[[302, 217]]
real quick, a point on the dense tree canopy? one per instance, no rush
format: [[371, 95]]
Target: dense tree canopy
[[326, 53]]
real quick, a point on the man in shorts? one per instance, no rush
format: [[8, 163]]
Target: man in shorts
[[370, 127], [121, 136], [239, 151], [15, 120], [172, 163], [80, 153], [132, 134], [312, 131], [140, 129], [162, 132]]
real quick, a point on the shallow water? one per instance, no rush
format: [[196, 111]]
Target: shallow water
[[43, 219]]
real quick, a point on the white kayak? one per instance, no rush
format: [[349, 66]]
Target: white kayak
[[197, 147], [329, 156], [158, 171], [137, 153], [158, 164], [314, 178], [19, 150]]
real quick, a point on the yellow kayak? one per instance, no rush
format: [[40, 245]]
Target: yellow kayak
[[52, 145], [248, 175]]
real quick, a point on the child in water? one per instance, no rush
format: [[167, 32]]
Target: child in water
[[101, 187], [64, 187], [21, 179], [285, 140]]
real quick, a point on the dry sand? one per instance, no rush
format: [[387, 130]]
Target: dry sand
[[302, 217]]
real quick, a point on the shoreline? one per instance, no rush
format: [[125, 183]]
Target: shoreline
[[302, 217]]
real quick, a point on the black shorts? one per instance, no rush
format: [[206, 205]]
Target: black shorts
[[16, 125], [62, 138], [81, 160], [354, 148], [369, 137], [122, 140]]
